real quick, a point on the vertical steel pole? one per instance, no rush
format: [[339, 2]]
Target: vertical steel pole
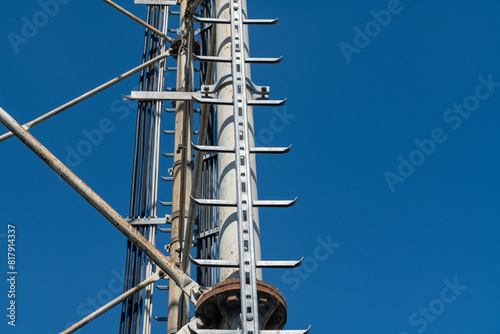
[[178, 305], [227, 216]]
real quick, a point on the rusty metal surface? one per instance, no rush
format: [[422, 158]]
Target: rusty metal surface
[[184, 281], [219, 306]]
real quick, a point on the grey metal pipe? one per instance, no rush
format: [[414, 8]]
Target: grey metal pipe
[[91, 93], [227, 176], [155, 277], [138, 20], [187, 284]]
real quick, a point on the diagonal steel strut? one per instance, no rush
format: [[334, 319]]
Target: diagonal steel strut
[[89, 94], [155, 277], [138, 20], [186, 283]]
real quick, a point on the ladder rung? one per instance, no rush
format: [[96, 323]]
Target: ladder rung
[[212, 58], [214, 263], [264, 60], [213, 202], [215, 149], [270, 150], [156, 2], [274, 204], [172, 110], [226, 21], [160, 318], [166, 203], [210, 20], [235, 264], [257, 204], [266, 102], [261, 21], [223, 149], [249, 102], [213, 101], [162, 287], [168, 155], [248, 60], [165, 229], [279, 264], [167, 178]]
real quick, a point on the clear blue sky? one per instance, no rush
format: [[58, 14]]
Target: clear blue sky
[[395, 162]]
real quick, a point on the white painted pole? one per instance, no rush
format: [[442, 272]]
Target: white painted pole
[[228, 224]]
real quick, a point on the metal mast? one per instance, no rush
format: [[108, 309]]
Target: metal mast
[[229, 171], [214, 189], [178, 307], [137, 310]]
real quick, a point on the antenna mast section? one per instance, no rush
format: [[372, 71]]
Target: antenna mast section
[[214, 205]]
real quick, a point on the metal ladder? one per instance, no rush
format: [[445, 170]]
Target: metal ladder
[[244, 202]]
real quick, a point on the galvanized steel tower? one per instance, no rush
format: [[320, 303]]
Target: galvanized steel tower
[[214, 205]]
